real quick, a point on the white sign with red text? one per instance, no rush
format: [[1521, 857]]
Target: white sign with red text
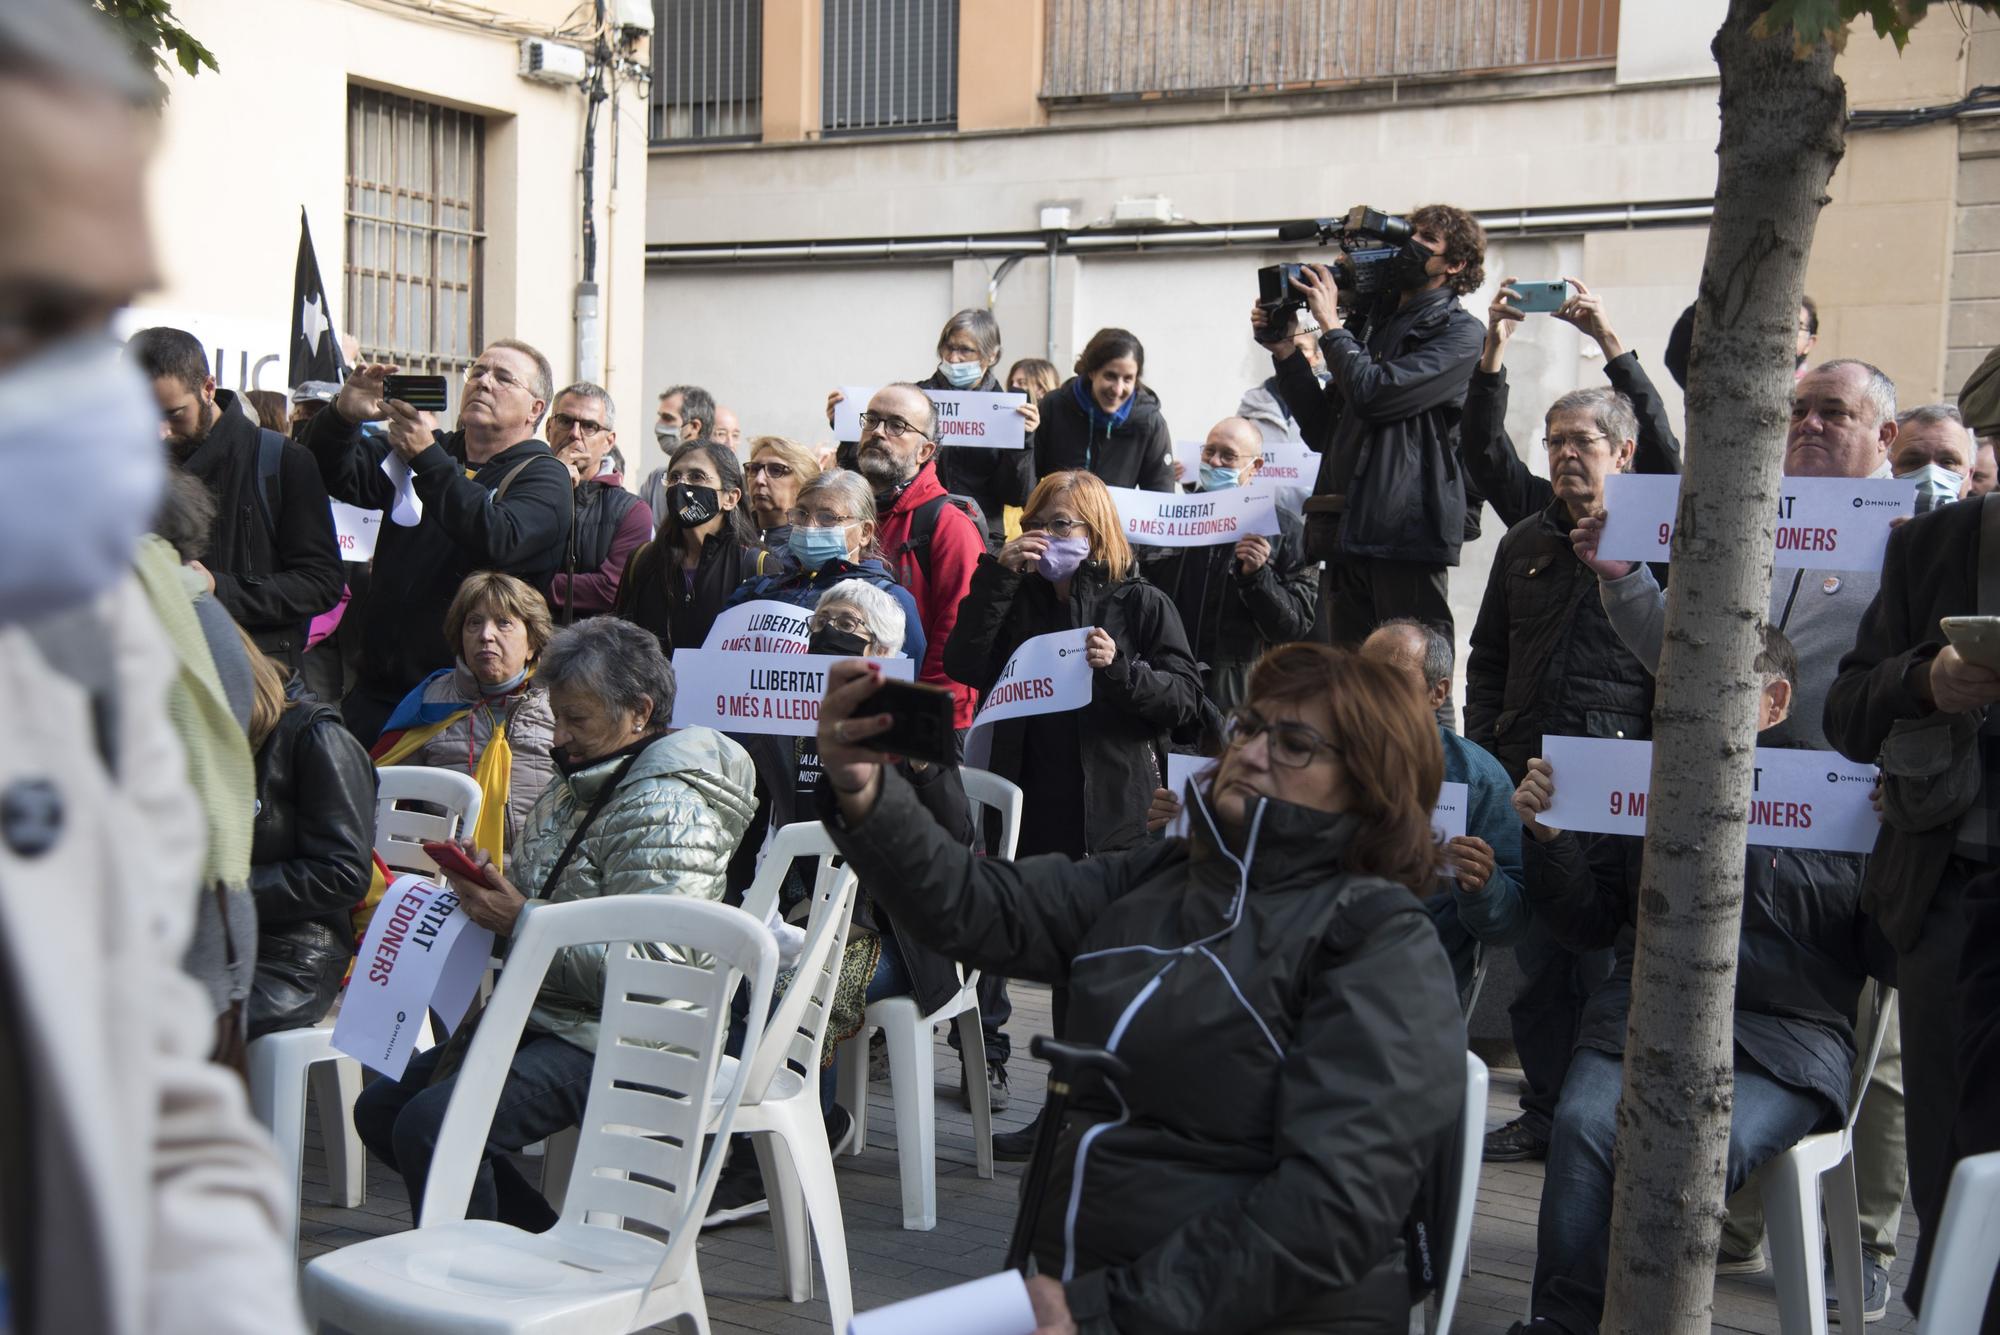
[[1203, 519], [1824, 523], [765, 626], [972, 417], [355, 531], [776, 693], [1448, 818], [1046, 675], [421, 952]]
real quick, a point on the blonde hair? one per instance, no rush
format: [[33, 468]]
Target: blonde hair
[[1092, 503], [493, 591], [267, 692], [804, 463]]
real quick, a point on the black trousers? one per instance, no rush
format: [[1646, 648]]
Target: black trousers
[[1358, 594]]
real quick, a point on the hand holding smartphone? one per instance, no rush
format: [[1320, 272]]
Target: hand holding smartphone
[[451, 860], [1541, 297], [923, 719], [425, 393]]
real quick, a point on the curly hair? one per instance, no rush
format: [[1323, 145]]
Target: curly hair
[[1464, 241]]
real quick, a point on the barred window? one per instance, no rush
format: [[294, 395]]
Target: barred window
[[415, 230], [708, 70], [888, 66]]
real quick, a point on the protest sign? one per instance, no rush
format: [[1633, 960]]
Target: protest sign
[[421, 951], [975, 418], [777, 693], [1046, 675], [355, 531], [1180, 769], [1799, 798], [847, 413], [765, 626], [1448, 819], [1288, 465], [1205, 519], [1824, 523], [995, 1305]]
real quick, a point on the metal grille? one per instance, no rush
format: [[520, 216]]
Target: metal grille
[[708, 70], [888, 65], [414, 230], [1132, 48]]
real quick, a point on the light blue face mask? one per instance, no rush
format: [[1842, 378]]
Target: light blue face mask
[[1217, 479], [816, 546], [962, 375], [1936, 485]]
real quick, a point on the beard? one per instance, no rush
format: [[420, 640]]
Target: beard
[[183, 446], [878, 465]]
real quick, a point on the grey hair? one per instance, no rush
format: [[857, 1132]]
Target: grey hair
[[1929, 414], [1609, 408], [1438, 650], [697, 405], [851, 489], [878, 609], [1777, 659], [583, 389], [1876, 387], [612, 661], [68, 44], [980, 325]]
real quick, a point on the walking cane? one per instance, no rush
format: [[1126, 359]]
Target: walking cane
[[1068, 1062]]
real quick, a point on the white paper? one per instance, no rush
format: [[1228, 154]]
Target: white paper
[[1290, 467], [1202, 519], [407, 510], [1824, 523], [1800, 799], [421, 951], [1045, 675], [847, 413], [995, 1305], [355, 531], [1187, 453], [1181, 769], [978, 418], [776, 693], [765, 626]]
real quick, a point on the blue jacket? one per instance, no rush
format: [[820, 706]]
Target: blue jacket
[[1498, 914], [800, 587]]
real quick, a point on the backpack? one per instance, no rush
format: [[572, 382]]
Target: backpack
[[270, 497], [923, 527]]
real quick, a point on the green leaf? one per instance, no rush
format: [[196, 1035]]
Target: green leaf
[[158, 38]]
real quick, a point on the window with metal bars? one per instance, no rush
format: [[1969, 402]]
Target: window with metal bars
[[888, 66], [415, 230], [708, 70]]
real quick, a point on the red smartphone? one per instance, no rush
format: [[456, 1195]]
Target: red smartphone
[[451, 858]]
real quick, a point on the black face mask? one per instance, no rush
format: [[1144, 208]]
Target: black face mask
[[1410, 271], [839, 643], [693, 505]]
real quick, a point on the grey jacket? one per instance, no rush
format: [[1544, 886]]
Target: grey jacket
[[529, 726], [669, 830]]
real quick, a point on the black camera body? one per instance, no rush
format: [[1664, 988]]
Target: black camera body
[[1373, 242]]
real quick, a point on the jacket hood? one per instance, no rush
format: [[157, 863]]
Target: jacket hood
[[715, 766], [1285, 843]]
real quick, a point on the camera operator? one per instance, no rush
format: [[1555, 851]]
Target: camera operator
[[1389, 507]]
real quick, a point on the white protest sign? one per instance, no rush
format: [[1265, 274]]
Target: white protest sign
[[995, 1305], [1799, 798], [1448, 818], [1180, 769], [975, 418], [1205, 519], [420, 951], [1187, 453], [355, 531], [1824, 523], [765, 626], [777, 693], [1289, 465], [847, 413], [1046, 675]]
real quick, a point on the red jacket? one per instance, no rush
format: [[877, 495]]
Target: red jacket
[[956, 546]]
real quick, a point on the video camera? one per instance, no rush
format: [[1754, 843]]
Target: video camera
[[1372, 241]]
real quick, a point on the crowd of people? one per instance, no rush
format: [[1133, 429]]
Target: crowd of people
[[205, 693]]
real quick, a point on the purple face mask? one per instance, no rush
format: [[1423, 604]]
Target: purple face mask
[[1061, 557]]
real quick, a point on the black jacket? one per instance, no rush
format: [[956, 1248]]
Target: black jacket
[[1229, 617], [310, 862], [1386, 427], [1497, 471], [1150, 691], [1800, 961], [272, 575], [1544, 656], [464, 528], [653, 594], [1139, 453], [1292, 1080], [995, 479]]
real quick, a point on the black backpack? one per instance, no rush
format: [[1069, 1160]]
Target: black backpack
[[270, 497]]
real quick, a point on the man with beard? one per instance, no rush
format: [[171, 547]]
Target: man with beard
[[271, 560], [608, 523]]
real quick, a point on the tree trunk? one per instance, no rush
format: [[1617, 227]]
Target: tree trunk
[[1783, 116]]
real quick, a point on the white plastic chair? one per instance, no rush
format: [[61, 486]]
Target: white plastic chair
[[912, 1060], [1967, 1251], [1793, 1185], [1453, 1262], [779, 1089], [639, 1157], [401, 829]]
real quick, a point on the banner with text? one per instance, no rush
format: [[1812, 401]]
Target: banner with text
[[355, 531], [1204, 519], [965, 416], [1289, 465], [1824, 523], [1046, 675], [765, 626], [421, 951], [777, 693], [1799, 799]]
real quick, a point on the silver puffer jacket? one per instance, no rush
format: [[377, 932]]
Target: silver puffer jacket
[[524, 714], [669, 830]]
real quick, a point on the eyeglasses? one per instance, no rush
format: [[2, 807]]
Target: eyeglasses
[[818, 519], [504, 379], [890, 426], [1292, 745], [577, 426], [1580, 443], [1062, 528], [847, 623], [690, 477], [775, 470], [1226, 461]]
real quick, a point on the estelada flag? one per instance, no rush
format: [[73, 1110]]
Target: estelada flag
[[315, 348]]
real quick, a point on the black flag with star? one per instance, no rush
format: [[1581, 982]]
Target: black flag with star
[[315, 349]]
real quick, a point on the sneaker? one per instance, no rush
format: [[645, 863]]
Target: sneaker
[[1515, 1143], [997, 1093], [1728, 1263], [1875, 1291], [1016, 1146], [739, 1195]]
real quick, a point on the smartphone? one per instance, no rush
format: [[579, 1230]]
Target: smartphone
[[1540, 297], [451, 858], [425, 393], [1977, 639], [923, 718]]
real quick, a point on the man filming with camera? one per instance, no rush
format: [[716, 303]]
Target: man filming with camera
[[1389, 508]]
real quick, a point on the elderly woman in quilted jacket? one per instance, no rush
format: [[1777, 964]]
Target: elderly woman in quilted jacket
[[633, 810]]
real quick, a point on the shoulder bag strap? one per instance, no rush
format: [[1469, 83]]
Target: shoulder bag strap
[[595, 809]]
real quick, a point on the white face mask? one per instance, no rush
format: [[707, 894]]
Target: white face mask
[[81, 469], [1936, 485]]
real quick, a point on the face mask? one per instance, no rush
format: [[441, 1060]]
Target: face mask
[[1061, 557], [1936, 485], [1217, 479], [816, 546], [1410, 271], [73, 410], [668, 436], [962, 375], [692, 505], [839, 643]]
